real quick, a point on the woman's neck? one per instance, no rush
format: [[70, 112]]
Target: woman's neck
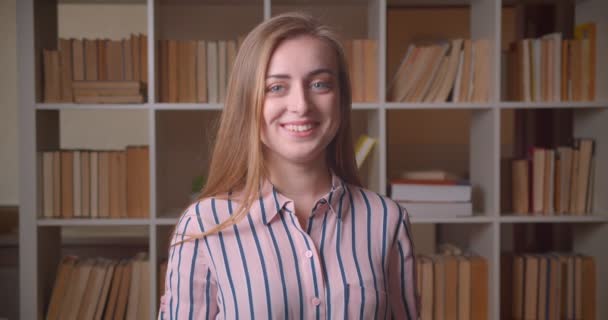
[[300, 181]]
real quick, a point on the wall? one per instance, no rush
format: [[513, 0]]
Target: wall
[[9, 166]]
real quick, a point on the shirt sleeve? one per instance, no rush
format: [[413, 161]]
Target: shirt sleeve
[[190, 287], [402, 273]]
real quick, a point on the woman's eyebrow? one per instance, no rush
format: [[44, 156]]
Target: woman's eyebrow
[[312, 73]]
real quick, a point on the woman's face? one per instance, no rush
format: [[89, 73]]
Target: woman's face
[[301, 105]]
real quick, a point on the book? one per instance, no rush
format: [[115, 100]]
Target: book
[[437, 209], [431, 193], [520, 191], [363, 147], [430, 175]]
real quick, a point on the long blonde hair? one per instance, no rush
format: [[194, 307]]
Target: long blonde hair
[[237, 159]]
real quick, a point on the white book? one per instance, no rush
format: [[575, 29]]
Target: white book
[[526, 72], [77, 185], [94, 184], [431, 193], [456, 91], [474, 64], [212, 72], [556, 39], [437, 209]]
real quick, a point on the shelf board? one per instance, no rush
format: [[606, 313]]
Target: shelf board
[[91, 106], [511, 218], [166, 221], [443, 105], [365, 106], [552, 105], [187, 106], [92, 222], [471, 219]]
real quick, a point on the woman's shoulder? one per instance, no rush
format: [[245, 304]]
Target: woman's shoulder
[[206, 212], [377, 202]]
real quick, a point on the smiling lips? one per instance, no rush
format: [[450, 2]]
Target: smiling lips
[[300, 128]]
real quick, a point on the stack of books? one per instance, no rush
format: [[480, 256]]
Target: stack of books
[[94, 184], [555, 181], [550, 286], [452, 286], [195, 70], [551, 68], [108, 91], [79, 60], [455, 71], [433, 194], [99, 288]]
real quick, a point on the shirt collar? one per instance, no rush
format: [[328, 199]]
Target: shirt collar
[[272, 202]]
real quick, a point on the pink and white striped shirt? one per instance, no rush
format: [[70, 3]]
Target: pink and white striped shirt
[[353, 259]]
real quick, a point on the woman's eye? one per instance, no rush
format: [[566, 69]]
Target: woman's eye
[[321, 85], [274, 88]]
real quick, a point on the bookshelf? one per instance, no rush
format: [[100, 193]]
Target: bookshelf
[[178, 133]]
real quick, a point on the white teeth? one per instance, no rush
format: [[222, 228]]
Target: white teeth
[[298, 128]]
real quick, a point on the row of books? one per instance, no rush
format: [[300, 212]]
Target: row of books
[[555, 181], [195, 70], [551, 286], [91, 60], [452, 286], [99, 288], [94, 184], [455, 71], [551, 68], [362, 58], [433, 193]]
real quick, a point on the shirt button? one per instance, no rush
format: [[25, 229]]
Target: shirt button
[[308, 254], [316, 301]]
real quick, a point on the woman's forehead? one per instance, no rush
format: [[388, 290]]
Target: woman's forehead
[[302, 54]]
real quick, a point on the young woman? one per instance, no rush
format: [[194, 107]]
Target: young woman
[[283, 229]]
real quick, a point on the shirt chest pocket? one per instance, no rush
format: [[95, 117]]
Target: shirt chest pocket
[[366, 302]]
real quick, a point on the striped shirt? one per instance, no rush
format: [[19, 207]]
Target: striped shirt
[[353, 259]]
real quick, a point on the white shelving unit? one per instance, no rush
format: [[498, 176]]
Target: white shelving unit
[[169, 131]]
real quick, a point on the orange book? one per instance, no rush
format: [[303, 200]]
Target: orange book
[[479, 288], [358, 76], [201, 72], [117, 280], [589, 303], [123, 291], [451, 288], [173, 69], [64, 272], [370, 66], [187, 71]]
